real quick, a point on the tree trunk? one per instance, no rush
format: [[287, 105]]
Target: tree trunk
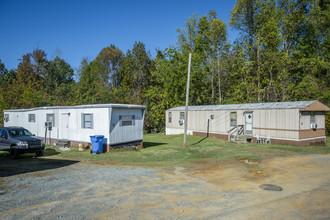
[[258, 64], [284, 95], [212, 97], [219, 82]]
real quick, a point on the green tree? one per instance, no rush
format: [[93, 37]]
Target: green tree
[[27, 88], [205, 38], [292, 13], [5, 80], [217, 54], [244, 17], [134, 75], [312, 50], [59, 83], [88, 91], [98, 78], [167, 87], [268, 55], [107, 64]]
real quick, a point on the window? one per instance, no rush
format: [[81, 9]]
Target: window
[[6, 118], [50, 118], [32, 118], [312, 117], [19, 132], [170, 117], [87, 121], [233, 119], [181, 115], [127, 120]]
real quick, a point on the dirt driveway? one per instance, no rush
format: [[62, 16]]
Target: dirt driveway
[[77, 190]]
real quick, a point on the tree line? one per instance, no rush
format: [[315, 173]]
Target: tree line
[[281, 54]]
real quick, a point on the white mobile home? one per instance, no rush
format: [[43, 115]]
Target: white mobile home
[[119, 123], [295, 123]]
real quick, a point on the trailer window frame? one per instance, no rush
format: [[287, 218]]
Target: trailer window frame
[[233, 120], [87, 123], [32, 118], [181, 115], [126, 120]]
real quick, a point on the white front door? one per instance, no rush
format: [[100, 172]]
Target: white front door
[[248, 122], [65, 125]]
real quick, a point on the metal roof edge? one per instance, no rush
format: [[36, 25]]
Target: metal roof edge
[[117, 106], [247, 106]]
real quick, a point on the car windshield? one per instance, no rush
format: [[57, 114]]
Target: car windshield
[[19, 132]]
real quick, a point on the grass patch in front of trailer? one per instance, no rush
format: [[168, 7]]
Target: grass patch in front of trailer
[[162, 150]]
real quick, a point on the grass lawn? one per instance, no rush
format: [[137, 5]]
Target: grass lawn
[[162, 150], [167, 151]]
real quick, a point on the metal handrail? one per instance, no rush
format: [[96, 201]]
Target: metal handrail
[[232, 129], [239, 129]]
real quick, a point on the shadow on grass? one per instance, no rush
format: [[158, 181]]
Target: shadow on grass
[[50, 152], [27, 163], [201, 140], [152, 144]]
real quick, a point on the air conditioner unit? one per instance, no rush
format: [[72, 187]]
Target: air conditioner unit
[[181, 121], [313, 126], [48, 124]]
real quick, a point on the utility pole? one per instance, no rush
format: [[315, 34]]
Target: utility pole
[[187, 101]]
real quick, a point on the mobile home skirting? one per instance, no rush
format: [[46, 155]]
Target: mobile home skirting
[[300, 142]]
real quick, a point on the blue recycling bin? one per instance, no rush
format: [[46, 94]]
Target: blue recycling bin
[[97, 144]]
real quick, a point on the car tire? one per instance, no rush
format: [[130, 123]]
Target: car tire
[[40, 153], [14, 153]]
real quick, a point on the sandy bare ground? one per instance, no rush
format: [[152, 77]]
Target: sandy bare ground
[[228, 190]]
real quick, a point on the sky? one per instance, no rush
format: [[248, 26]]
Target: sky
[[73, 29]]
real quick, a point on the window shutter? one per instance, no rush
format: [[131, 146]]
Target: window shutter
[[82, 120], [120, 122], [53, 119], [133, 119], [92, 121]]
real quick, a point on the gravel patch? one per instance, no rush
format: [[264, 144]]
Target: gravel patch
[[60, 187], [93, 191]]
